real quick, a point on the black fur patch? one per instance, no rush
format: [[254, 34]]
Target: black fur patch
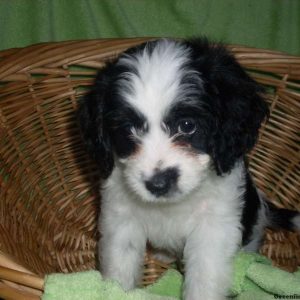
[[93, 123], [121, 118], [234, 105], [281, 218], [184, 110], [250, 209]]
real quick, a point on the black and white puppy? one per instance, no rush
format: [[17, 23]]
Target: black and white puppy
[[169, 123]]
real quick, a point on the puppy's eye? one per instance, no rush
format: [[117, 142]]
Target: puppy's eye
[[127, 126], [187, 126]]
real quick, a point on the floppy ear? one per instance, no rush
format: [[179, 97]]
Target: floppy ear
[[240, 110], [92, 124], [237, 107]]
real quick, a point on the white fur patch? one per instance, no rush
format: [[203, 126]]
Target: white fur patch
[[156, 82], [201, 227]]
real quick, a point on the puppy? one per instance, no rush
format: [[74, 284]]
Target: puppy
[[169, 124]]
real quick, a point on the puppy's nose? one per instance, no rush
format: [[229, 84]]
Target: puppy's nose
[[162, 181]]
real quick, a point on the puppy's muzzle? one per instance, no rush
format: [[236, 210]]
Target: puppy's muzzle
[[162, 182]]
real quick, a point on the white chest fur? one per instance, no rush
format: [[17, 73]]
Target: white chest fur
[[166, 225]]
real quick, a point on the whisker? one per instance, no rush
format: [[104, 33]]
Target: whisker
[[175, 136], [135, 135]]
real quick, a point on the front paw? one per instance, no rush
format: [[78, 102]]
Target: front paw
[[125, 280], [206, 291], [202, 296]]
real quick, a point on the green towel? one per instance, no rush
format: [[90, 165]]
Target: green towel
[[90, 286], [254, 278]]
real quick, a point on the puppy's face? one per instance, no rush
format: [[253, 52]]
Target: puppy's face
[[169, 113]]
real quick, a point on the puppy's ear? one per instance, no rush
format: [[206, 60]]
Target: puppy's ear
[[236, 103], [240, 110], [92, 123]]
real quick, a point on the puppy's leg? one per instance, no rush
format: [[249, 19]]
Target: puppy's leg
[[121, 252], [208, 262]]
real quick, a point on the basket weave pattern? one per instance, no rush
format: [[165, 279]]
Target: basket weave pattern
[[49, 188]]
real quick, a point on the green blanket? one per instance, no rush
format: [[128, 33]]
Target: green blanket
[[254, 278]]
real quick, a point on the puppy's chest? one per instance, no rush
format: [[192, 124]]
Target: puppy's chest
[[168, 227]]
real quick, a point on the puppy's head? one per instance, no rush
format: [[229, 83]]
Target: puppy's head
[[168, 113]]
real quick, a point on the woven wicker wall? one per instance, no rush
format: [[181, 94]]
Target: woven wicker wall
[[49, 187]]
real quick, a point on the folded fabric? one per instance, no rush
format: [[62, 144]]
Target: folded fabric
[[254, 275], [89, 285], [254, 278]]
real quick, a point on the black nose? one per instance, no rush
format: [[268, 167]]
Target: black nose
[[161, 182]]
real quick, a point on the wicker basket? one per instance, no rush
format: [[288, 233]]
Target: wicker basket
[[49, 187]]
